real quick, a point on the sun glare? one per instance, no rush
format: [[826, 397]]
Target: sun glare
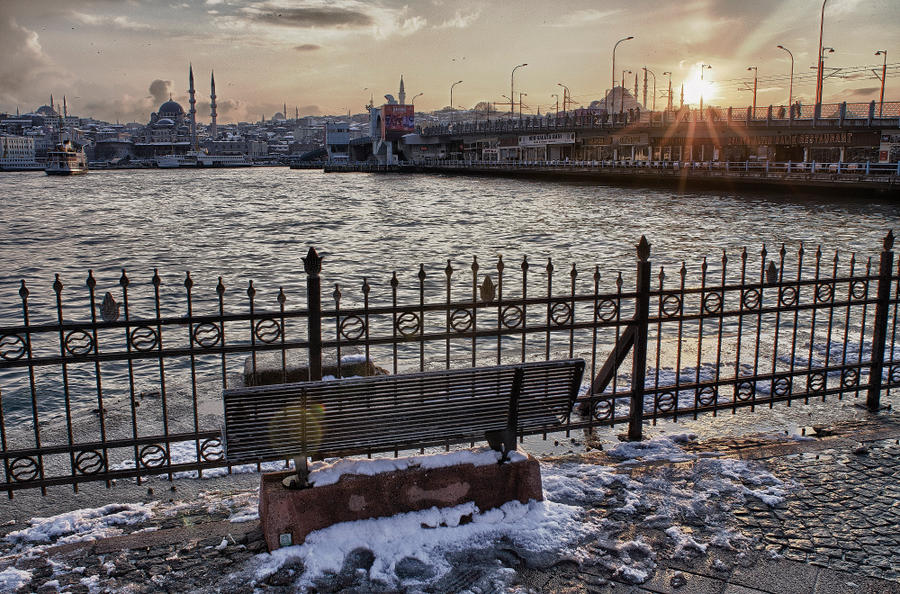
[[693, 89]]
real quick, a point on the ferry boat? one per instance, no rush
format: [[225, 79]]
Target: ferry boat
[[67, 159], [168, 161]]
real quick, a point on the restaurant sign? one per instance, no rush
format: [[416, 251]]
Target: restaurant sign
[[545, 139], [824, 139]]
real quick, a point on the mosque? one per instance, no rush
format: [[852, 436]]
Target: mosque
[[175, 129]]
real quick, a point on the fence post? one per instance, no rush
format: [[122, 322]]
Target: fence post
[[312, 264], [879, 333], [639, 355]]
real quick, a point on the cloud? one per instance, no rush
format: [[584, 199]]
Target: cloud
[[865, 92], [581, 18], [460, 21], [118, 22], [160, 89], [309, 17], [24, 62], [307, 47]]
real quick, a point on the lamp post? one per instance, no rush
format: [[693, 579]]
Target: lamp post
[[791, 88], [755, 70], [613, 86], [567, 96], [512, 90], [883, 76], [702, 68], [413, 102], [646, 70], [557, 102], [451, 98], [821, 89], [669, 102], [520, 103], [622, 102], [820, 65]]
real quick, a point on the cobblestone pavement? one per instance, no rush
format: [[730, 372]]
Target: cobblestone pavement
[[836, 531]]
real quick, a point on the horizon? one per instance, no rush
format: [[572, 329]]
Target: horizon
[[118, 61]]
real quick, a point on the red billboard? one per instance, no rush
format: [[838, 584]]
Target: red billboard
[[397, 120]]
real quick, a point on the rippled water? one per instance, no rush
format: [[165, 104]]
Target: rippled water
[[257, 224]]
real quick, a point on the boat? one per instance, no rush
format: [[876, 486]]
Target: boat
[[168, 161], [230, 160], [67, 159]]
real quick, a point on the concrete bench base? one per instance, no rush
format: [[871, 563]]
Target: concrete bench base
[[287, 516]]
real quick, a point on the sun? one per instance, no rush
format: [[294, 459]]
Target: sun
[[695, 88]]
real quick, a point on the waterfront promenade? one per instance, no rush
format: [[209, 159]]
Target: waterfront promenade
[[662, 525]]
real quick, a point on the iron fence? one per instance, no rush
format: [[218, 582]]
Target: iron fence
[[117, 387]]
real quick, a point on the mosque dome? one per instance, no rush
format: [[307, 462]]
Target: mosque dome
[[170, 109], [278, 116], [46, 110], [164, 123]]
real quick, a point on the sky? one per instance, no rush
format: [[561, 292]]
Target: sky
[[118, 60]]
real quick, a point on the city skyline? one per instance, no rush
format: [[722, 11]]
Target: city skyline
[[118, 60]]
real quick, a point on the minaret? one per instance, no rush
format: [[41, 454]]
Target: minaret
[[193, 111], [284, 110], [402, 93], [296, 113], [51, 102], [212, 128], [65, 108]]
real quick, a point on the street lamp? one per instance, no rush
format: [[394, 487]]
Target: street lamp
[[557, 102], [883, 76], [755, 70], [520, 103], [512, 90], [567, 96], [669, 102], [821, 89], [820, 66], [703, 67], [622, 102], [413, 102], [791, 89], [646, 70], [613, 86], [451, 98]]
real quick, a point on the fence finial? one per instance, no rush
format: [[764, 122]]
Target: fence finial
[[312, 263], [889, 241], [771, 273], [643, 249]]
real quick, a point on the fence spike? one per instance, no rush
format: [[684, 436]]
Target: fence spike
[[156, 280], [744, 255], [57, 285], [596, 272], [188, 281], [220, 287], [394, 281], [421, 272], [524, 263], [500, 265], [336, 294], [619, 280], [251, 292], [724, 258], [123, 280], [819, 253], [574, 272], [449, 269], [23, 290], [889, 240], [365, 286], [764, 253], [281, 296], [772, 273], [704, 266], [549, 265], [312, 263], [474, 265], [91, 281], [643, 249], [662, 275], [783, 251], [683, 270]]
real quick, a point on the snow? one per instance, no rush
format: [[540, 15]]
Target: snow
[[330, 472], [82, 525], [662, 449], [11, 579]]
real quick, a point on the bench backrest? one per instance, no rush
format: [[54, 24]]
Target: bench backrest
[[380, 413]]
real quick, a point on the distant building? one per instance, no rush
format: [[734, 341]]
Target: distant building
[[17, 152], [337, 142]]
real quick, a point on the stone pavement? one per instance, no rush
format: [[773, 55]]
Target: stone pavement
[[837, 531]]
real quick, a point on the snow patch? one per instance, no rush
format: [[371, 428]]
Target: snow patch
[[82, 524], [11, 579]]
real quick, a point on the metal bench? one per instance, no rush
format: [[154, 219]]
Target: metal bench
[[380, 413]]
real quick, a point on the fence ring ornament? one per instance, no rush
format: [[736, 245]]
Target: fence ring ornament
[[817, 382], [894, 374], [461, 320], [603, 410], [12, 347], [745, 390], [144, 338], [211, 450], [207, 335], [512, 316], [671, 305], [561, 313], [824, 292], [267, 330], [707, 395], [24, 469], [352, 327], [787, 296], [712, 303], [78, 343], [89, 462], [408, 323], [781, 386], [607, 310], [858, 289], [850, 377], [751, 299], [665, 402], [153, 456]]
